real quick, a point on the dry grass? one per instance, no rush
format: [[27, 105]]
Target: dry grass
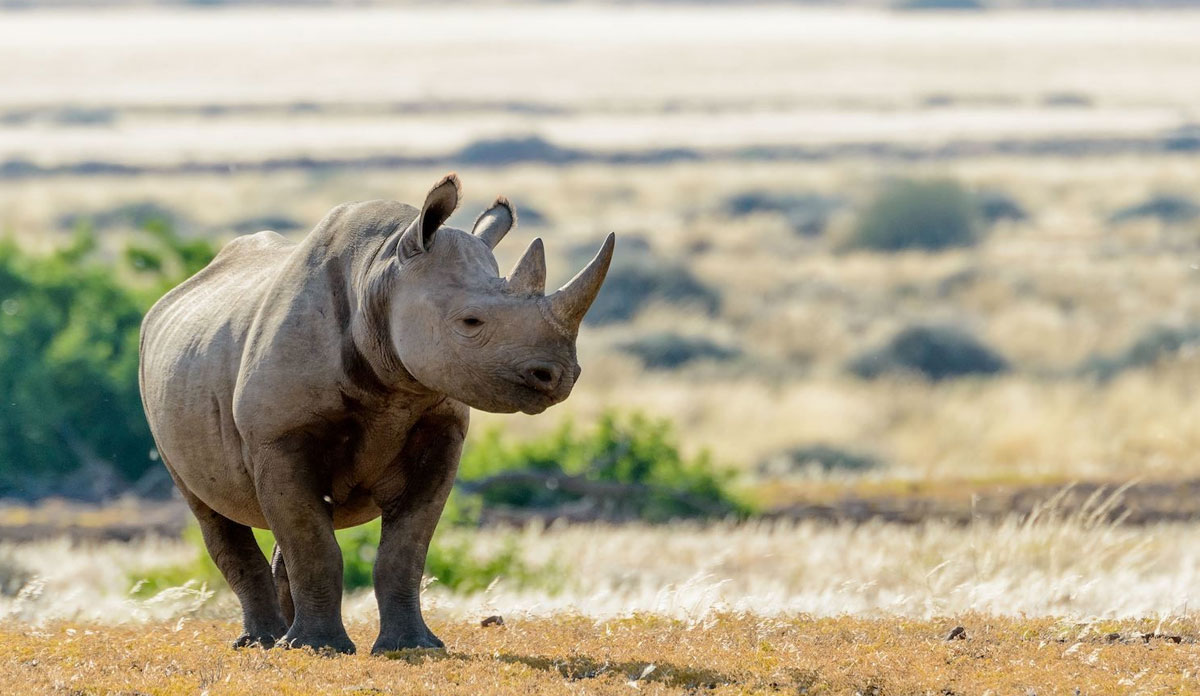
[[729, 654], [1076, 567]]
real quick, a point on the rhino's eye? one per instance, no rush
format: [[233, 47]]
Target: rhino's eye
[[472, 322]]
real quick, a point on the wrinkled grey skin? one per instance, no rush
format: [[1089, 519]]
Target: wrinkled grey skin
[[306, 387]]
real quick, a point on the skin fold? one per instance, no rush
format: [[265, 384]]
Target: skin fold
[[311, 386]]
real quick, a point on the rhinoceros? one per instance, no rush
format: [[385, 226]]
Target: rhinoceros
[[312, 386]]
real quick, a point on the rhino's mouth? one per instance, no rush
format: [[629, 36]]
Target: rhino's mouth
[[533, 401]]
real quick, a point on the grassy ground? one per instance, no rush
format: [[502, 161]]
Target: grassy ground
[[729, 654]]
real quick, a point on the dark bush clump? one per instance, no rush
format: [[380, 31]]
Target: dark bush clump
[[668, 351], [1167, 208], [824, 457], [504, 151], [630, 287], [258, 223], [939, 5], [1155, 344], [910, 214], [995, 206], [532, 217], [133, 215], [1067, 100], [807, 213], [935, 352], [639, 277]]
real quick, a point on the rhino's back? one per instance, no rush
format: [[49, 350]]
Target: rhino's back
[[192, 340], [212, 310]]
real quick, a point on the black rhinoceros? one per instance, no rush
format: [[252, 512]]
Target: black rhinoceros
[[306, 387]]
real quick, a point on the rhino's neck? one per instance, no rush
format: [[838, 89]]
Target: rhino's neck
[[354, 248], [368, 355]]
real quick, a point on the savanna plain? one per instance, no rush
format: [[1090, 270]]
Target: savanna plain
[[892, 388]]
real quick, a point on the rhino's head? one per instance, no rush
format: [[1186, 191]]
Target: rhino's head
[[497, 344]]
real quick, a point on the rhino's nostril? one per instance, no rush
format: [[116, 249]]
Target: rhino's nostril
[[543, 376]]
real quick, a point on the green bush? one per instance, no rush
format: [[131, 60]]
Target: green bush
[[624, 468], [69, 359], [912, 214]]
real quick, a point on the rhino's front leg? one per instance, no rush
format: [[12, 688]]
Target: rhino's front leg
[[412, 502], [292, 498]]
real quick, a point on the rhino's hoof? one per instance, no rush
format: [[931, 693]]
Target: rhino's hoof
[[322, 644], [248, 640], [425, 639]]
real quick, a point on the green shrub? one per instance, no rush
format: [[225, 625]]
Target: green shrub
[[935, 352], [625, 468], [911, 214], [69, 358]]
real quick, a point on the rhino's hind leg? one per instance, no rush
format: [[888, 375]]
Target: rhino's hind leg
[[236, 553], [410, 514], [283, 589]]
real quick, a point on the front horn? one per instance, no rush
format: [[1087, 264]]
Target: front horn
[[572, 300]]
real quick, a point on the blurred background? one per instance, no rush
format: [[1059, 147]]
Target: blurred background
[[904, 313]]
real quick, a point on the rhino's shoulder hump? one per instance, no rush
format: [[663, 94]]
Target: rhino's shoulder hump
[[367, 218], [251, 245], [240, 266]]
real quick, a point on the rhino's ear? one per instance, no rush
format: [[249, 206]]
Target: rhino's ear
[[495, 222], [440, 202]]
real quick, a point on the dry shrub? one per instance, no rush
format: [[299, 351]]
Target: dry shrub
[[934, 352], [928, 215]]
